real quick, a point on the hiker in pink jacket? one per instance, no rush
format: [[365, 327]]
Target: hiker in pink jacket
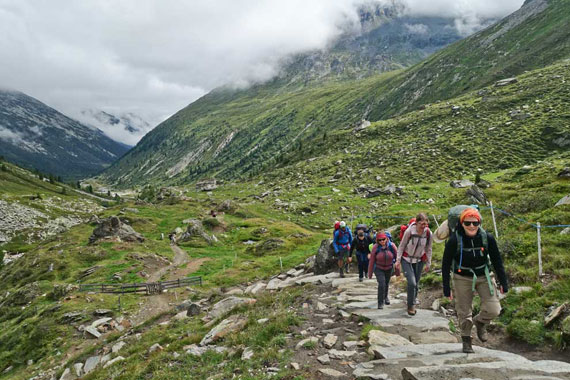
[[381, 263], [414, 253]]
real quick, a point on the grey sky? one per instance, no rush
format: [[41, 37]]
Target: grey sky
[[154, 57]]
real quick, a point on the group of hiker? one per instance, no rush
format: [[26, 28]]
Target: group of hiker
[[471, 259]]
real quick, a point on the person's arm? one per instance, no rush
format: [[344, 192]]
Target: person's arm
[[372, 261], [497, 262], [335, 244], [403, 244], [429, 250], [448, 253]]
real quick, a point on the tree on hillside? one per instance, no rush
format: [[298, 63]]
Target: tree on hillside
[[90, 189], [4, 168]]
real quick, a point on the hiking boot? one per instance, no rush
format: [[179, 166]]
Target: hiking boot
[[380, 306], [416, 302], [411, 311], [387, 300], [481, 331], [360, 279], [467, 348], [341, 272]]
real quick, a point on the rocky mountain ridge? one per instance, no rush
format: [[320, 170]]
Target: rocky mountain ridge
[[36, 136], [237, 133]]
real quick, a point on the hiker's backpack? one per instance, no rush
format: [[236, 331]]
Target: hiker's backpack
[[483, 250], [362, 227], [404, 227]]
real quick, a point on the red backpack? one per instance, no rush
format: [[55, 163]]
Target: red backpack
[[404, 227]]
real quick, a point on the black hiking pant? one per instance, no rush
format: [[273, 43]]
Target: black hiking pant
[[383, 278]]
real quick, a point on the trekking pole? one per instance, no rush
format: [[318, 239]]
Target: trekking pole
[[539, 250], [436, 222], [494, 222]]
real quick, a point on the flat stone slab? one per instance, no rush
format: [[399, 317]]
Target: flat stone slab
[[384, 339], [490, 371], [424, 320], [430, 337], [332, 373]]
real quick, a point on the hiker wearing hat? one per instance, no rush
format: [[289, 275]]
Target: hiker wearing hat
[[381, 263], [341, 244], [469, 253], [414, 253], [361, 243]]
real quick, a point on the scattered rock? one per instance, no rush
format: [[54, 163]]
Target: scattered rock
[[267, 246], [324, 359], [555, 314], [330, 340], [565, 173], [78, 369], [91, 363], [117, 347], [228, 304], [332, 373], [505, 82], [524, 170], [312, 341], [337, 354], [295, 366], [477, 195], [195, 350], [384, 339], [155, 347], [227, 326], [113, 361], [461, 183], [247, 353], [194, 230], [113, 228], [563, 201]]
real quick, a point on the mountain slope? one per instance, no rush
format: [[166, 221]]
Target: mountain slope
[[34, 135], [233, 133]]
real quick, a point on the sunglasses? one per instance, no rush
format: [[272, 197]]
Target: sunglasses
[[382, 239], [468, 223]]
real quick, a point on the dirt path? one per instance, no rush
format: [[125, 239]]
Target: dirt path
[[159, 303]]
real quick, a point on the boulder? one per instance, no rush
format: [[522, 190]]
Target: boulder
[[324, 260], [461, 183], [91, 363], [228, 304], [232, 324], [565, 173], [195, 229], [563, 201], [554, 315], [477, 195], [112, 227], [227, 206]]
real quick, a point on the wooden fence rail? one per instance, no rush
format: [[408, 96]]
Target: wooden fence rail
[[143, 287]]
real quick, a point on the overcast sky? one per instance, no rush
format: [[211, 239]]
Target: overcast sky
[[152, 57]]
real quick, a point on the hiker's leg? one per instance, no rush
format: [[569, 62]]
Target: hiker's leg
[[380, 277], [387, 276], [360, 260], [490, 305], [463, 296], [419, 266], [411, 278]]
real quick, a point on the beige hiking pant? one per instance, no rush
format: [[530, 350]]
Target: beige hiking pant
[[463, 294]]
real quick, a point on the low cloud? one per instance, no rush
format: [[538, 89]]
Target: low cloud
[[152, 58]]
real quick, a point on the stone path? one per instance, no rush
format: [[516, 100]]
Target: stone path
[[419, 347]]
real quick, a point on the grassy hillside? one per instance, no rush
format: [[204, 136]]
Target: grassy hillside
[[34, 302], [234, 133]]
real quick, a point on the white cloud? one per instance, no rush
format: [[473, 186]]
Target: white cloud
[[417, 28], [153, 57]]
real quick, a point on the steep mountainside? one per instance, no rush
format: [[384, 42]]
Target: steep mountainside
[[233, 133], [34, 135], [126, 128]]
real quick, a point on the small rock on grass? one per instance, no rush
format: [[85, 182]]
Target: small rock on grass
[[332, 373], [324, 359], [312, 340], [330, 340], [295, 366]]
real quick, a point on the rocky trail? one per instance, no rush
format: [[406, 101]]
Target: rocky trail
[[409, 348]]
